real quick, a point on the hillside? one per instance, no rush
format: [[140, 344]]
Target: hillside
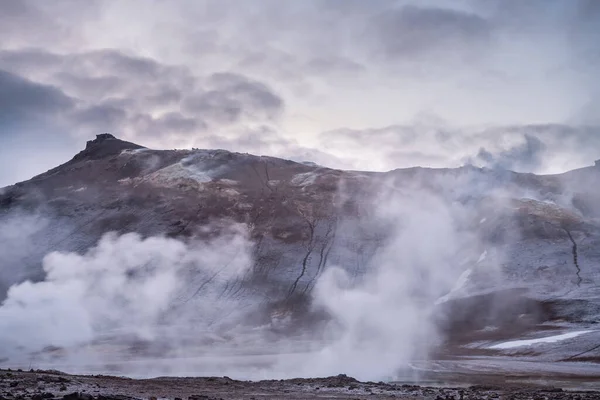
[[433, 263]]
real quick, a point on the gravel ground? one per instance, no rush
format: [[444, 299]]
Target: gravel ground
[[40, 385]]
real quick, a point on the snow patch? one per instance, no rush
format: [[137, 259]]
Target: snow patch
[[548, 339]]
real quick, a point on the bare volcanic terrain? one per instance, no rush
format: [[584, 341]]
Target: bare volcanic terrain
[[38, 385], [455, 271]]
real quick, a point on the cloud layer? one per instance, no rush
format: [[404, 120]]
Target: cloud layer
[[316, 79]]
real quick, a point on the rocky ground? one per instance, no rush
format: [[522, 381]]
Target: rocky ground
[[39, 385]]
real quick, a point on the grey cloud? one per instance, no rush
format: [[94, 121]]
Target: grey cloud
[[124, 93], [92, 86], [100, 117], [254, 91], [327, 65], [414, 158], [539, 148], [267, 141], [395, 146], [140, 70], [97, 91], [573, 20], [177, 122], [526, 156], [260, 141], [16, 14], [92, 69], [300, 51], [233, 98], [39, 22], [396, 136], [121, 64], [21, 98], [169, 125], [414, 31], [214, 105], [31, 119], [525, 148], [29, 57], [164, 96]]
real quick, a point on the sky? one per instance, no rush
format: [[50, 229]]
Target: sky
[[353, 84]]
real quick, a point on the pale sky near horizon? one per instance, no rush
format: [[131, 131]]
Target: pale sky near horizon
[[361, 84]]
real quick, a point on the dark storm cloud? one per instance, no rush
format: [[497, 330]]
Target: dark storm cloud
[[21, 99]]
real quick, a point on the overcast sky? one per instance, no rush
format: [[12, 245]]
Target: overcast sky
[[361, 84]]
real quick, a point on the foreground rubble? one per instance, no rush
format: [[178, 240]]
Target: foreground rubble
[[40, 385]]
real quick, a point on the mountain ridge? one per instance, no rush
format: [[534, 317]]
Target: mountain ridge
[[106, 144]]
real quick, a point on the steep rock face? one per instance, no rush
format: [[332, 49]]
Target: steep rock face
[[305, 218]]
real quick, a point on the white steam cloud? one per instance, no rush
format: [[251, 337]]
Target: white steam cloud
[[384, 320], [126, 285], [178, 296]]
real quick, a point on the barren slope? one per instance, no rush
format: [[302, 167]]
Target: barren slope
[[541, 230]]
